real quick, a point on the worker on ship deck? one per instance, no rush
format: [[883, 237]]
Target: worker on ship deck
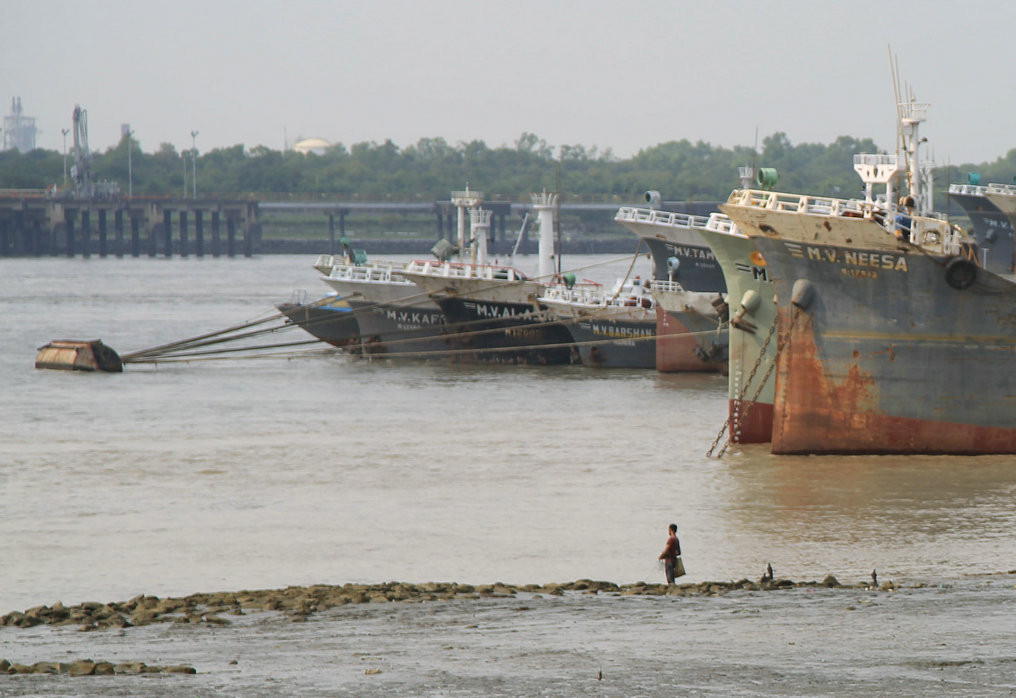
[[904, 218]]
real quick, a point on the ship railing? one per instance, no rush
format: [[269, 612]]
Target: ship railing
[[657, 217], [464, 270], [937, 236], [579, 294], [325, 262], [931, 233], [1005, 189], [800, 203], [969, 189], [667, 286], [469, 198], [721, 223], [594, 295], [383, 273]]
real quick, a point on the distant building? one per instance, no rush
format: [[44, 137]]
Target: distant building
[[19, 130], [311, 145]]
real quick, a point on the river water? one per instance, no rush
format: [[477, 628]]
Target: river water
[[323, 468]]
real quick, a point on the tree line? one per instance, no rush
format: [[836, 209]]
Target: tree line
[[429, 169]]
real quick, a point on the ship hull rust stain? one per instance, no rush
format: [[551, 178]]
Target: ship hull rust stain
[[750, 422], [677, 350], [906, 380]]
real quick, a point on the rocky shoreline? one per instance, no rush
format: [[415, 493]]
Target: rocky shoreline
[[87, 667], [301, 601]]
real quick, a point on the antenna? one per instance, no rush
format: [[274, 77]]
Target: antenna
[[754, 151], [557, 220]]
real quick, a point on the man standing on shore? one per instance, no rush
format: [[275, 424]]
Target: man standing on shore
[[671, 556]]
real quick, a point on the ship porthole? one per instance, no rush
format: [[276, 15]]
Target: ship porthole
[[960, 273]]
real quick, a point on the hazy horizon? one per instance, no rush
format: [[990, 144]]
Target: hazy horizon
[[597, 74]]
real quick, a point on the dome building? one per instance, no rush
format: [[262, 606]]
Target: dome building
[[311, 145]]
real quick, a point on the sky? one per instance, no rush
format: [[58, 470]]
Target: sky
[[598, 73]]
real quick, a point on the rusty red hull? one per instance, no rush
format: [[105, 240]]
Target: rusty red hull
[[894, 361], [818, 412], [677, 349], [750, 422]]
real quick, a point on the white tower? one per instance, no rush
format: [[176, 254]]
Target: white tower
[[465, 200], [919, 174], [545, 204], [480, 230]]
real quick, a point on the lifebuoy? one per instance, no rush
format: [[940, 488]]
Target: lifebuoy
[[960, 273]]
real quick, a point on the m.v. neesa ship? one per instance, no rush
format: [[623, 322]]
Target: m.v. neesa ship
[[893, 339]]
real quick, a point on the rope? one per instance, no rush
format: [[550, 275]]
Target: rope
[[529, 347], [173, 345], [183, 350]]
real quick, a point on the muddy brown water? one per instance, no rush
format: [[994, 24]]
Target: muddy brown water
[[217, 476]]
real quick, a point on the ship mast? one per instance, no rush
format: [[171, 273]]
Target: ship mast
[[910, 114], [480, 230], [463, 201], [544, 204]]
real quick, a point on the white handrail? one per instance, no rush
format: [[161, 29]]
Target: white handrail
[[1006, 189], [464, 270], [651, 215]]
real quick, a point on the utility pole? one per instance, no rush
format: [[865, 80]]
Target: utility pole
[[194, 164], [65, 131], [130, 166]]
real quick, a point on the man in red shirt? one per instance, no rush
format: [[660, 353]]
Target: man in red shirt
[[670, 555]]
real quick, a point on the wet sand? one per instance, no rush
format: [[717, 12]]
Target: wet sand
[[585, 637]]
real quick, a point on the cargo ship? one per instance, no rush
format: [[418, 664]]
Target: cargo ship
[[752, 331], [1003, 197], [330, 318], [688, 287], [993, 230], [393, 315], [613, 328], [893, 339], [493, 310]]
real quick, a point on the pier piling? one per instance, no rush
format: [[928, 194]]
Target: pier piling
[[38, 222]]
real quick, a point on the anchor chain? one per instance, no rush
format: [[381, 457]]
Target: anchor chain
[[739, 398], [738, 415]]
